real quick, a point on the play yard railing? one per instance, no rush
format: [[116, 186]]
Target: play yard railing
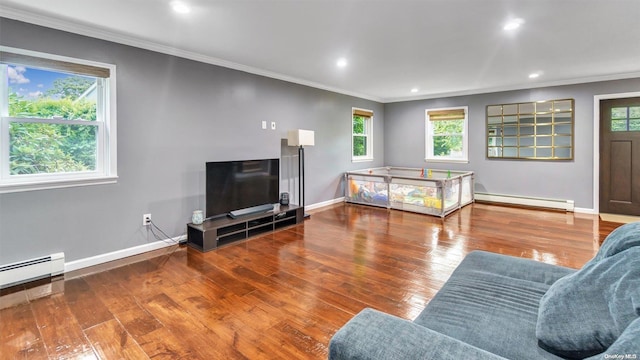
[[427, 191]]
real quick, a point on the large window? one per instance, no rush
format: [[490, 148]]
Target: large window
[[362, 135], [447, 135], [57, 121]]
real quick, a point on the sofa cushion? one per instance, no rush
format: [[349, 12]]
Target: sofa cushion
[[491, 302], [620, 239], [626, 347], [584, 313], [373, 335]]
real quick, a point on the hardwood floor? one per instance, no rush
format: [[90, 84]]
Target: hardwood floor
[[278, 296]]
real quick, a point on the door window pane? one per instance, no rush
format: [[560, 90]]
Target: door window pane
[[619, 113], [619, 125]]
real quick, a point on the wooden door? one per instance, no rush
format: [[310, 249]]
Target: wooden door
[[620, 156]]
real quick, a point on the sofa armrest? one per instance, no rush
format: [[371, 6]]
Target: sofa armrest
[[375, 335]]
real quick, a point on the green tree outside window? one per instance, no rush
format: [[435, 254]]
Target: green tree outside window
[[359, 135], [51, 148], [447, 137]]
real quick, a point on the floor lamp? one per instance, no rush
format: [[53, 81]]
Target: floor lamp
[[301, 138]]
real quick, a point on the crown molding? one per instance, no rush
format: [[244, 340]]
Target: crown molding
[[102, 34], [528, 86]]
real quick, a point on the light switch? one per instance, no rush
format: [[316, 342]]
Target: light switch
[[264, 124], [273, 125]]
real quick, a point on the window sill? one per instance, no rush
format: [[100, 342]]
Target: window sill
[[11, 187], [357, 160], [455, 161]]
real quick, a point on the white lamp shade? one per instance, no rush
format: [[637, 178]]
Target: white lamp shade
[[300, 138]]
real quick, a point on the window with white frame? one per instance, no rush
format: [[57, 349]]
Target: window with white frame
[[57, 121], [447, 134], [361, 135]]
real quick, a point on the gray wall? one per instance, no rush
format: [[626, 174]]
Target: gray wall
[[173, 116], [404, 136]]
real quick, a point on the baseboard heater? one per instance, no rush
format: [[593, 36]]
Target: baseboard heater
[[566, 205], [29, 270]]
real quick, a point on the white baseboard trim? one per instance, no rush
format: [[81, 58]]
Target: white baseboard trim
[[136, 250], [585, 211], [120, 254], [567, 205], [324, 203]]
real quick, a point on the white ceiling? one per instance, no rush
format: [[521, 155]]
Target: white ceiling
[[441, 47]]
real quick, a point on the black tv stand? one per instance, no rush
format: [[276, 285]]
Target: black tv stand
[[252, 210], [224, 230]]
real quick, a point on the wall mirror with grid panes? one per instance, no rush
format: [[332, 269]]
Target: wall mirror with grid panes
[[541, 130]]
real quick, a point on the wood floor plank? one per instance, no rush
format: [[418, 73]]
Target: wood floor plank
[[111, 341], [329, 295], [19, 334], [84, 304], [61, 333], [138, 322], [114, 296], [162, 344], [177, 319], [281, 295], [303, 345]]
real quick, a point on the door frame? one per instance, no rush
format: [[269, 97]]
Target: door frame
[[596, 142]]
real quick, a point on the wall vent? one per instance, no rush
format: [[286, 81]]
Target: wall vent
[[29, 270]]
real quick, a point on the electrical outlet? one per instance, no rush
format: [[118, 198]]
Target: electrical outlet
[[146, 219]]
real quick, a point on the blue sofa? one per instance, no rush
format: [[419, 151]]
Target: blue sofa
[[500, 307]]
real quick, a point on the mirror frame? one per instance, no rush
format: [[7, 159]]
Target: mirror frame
[[535, 130]]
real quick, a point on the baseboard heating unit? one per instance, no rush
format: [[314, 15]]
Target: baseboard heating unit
[[566, 205], [29, 270]]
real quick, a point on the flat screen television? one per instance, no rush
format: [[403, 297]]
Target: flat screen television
[[236, 185]]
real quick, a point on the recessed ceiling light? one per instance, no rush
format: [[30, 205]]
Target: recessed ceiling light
[[534, 75], [414, 90], [513, 24], [180, 7], [342, 62]]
